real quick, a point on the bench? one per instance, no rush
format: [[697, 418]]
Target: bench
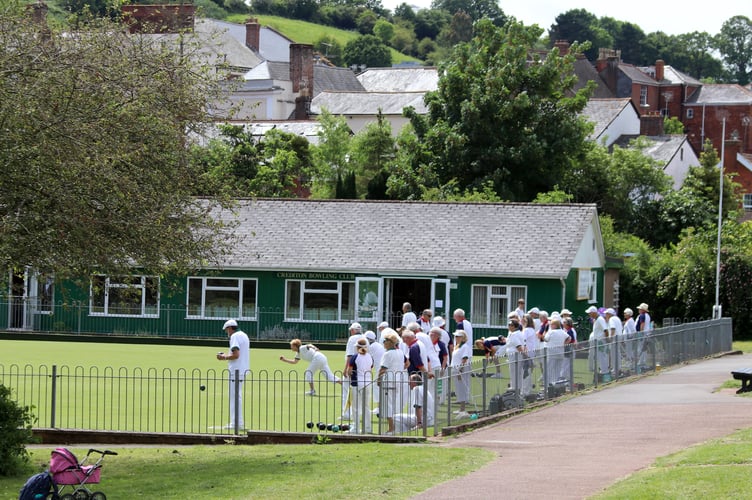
[[745, 375]]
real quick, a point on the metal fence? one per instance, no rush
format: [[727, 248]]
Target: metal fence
[[194, 401]]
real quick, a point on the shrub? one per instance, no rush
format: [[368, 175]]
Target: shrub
[[15, 433]]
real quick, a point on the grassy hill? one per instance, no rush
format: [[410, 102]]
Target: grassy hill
[[305, 32]]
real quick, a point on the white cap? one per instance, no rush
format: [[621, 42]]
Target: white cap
[[534, 310], [370, 335], [611, 311], [229, 323], [591, 309], [356, 326], [384, 324], [439, 321]]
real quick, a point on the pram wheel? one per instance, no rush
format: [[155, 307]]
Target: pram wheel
[[98, 495], [81, 495], [67, 496]]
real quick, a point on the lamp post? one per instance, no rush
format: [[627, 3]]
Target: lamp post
[[717, 312]]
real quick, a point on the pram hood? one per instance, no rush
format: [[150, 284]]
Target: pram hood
[[66, 469], [63, 459]]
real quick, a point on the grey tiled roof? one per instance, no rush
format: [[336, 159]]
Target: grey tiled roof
[[471, 239], [662, 148], [585, 72], [368, 103], [324, 77], [602, 112], [399, 79], [721, 94]]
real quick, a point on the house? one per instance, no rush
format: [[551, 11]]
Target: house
[[673, 152], [612, 118], [308, 268], [361, 108]]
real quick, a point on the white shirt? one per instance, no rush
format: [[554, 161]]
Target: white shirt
[[629, 327], [416, 401], [515, 340], [556, 340], [352, 341], [363, 367], [615, 326], [394, 363], [599, 328], [464, 351], [306, 352], [409, 317], [532, 342], [425, 339], [376, 350], [239, 340]]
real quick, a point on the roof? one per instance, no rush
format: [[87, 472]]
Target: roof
[[305, 128], [585, 72], [670, 75], [662, 148], [273, 46], [324, 77], [409, 79], [602, 112], [368, 103], [721, 94], [370, 236]]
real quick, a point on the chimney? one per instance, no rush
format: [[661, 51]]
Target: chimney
[[252, 34], [158, 18], [659, 65], [563, 46], [301, 76], [651, 123]]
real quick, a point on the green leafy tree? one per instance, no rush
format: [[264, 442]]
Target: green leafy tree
[[504, 114], [476, 9], [15, 434], [93, 150], [367, 50], [430, 22], [734, 42], [695, 57], [367, 21], [331, 154], [330, 48], [384, 30], [579, 25], [371, 150], [459, 30], [673, 126], [411, 174]]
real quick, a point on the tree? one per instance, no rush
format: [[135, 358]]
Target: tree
[[371, 150], [735, 45], [579, 25], [330, 48], [330, 154], [502, 113], [367, 50], [95, 171], [15, 434], [384, 30], [476, 9]]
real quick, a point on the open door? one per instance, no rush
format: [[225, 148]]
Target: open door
[[370, 294], [440, 298]]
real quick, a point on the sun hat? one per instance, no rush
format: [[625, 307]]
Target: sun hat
[[534, 310], [565, 311], [439, 321], [229, 323], [643, 307], [383, 324]]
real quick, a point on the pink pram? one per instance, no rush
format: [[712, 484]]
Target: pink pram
[[66, 470]]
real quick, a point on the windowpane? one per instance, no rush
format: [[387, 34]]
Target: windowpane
[[97, 294], [195, 293], [249, 299], [347, 306], [221, 303], [292, 308], [321, 285], [498, 312], [480, 309], [221, 282]]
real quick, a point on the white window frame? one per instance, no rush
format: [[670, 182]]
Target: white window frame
[[233, 285], [690, 113], [117, 282], [303, 290], [747, 201], [508, 296], [643, 95]]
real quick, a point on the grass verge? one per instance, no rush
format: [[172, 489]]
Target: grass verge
[[271, 471]]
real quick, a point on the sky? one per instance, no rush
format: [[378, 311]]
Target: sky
[[673, 18]]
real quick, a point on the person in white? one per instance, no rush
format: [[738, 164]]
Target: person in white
[[425, 320], [376, 350], [643, 326], [360, 373], [520, 311], [238, 362], [390, 378], [408, 316], [417, 415], [556, 338], [318, 360], [535, 314], [598, 340], [461, 371], [519, 364], [532, 342], [615, 328], [464, 324], [356, 333], [629, 337], [441, 352], [445, 337], [380, 329]]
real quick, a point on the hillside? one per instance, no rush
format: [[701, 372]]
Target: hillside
[[305, 32]]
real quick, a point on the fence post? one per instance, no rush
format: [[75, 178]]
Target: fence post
[[53, 396], [236, 398]]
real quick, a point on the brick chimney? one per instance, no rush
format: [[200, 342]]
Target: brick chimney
[[651, 123], [167, 18], [659, 70], [301, 76], [252, 34], [563, 46]]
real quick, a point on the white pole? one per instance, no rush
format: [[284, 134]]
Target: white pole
[[717, 313]]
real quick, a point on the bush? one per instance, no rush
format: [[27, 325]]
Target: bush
[[15, 433]]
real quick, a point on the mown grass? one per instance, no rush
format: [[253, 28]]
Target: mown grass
[[307, 32], [271, 471], [720, 468]]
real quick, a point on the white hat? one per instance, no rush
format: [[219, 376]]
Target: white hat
[[356, 326], [439, 321], [534, 310], [591, 309], [643, 307], [370, 335], [229, 323], [384, 324], [460, 333], [611, 311], [565, 311], [513, 315]]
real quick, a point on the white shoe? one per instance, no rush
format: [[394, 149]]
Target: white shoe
[[311, 393]]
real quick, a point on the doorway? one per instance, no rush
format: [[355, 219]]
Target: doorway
[[416, 291]]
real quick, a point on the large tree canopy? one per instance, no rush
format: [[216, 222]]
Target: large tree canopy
[[92, 148], [503, 114], [735, 44]]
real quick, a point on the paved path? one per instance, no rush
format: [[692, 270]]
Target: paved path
[[581, 446]]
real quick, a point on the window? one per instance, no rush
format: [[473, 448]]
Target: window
[[44, 293], [643, 95], [307, 300], [593, 289], [747, 201], [491, 303], [124, 296], [690, 113], [222, 298]]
